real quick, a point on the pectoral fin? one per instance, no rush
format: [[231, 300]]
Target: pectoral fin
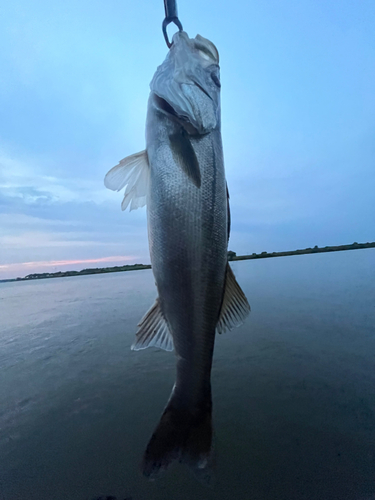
[[235, 306], [132, 172], [153, 331], [185, 156]]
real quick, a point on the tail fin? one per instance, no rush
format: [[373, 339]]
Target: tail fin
[[181, 434]]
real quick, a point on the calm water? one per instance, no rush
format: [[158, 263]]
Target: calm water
[[294, 387]]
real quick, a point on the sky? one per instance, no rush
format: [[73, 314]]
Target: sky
[[298, 124]]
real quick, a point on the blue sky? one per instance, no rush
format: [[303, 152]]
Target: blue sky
[[298, 114]]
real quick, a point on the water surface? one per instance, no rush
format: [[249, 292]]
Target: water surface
[[293, 388]]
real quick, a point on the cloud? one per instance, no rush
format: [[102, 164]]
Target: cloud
[[298, 141], [45, 218], [23, 221], [25, 181], [30, 240]]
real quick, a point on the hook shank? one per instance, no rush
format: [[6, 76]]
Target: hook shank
[[171, 16]]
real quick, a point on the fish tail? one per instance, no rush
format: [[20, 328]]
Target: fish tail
[[182, 434]]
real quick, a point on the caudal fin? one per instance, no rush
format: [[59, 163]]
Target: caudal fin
[[184, 435]]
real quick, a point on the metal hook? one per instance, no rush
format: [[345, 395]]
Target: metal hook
[[170, 7]]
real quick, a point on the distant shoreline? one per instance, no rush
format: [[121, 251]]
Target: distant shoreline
[[231, 257], [316, 249]]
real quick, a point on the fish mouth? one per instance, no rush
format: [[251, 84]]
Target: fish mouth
[[183, 111], [166, 107]]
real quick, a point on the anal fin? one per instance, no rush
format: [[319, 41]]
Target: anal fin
[[153, 331], [235, 306]]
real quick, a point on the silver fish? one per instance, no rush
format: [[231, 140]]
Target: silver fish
[[181, 177]]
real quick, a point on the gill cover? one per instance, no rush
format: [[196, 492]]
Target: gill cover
[[189, 81]]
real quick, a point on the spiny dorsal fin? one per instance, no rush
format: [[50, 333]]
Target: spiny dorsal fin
[[235, 306], [153, 331], [132, 172]]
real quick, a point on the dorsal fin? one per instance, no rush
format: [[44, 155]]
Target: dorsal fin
[[235, 306]]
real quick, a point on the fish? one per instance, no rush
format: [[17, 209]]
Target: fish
[[180, 176]]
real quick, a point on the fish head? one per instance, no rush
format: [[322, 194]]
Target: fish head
[[187, 83]]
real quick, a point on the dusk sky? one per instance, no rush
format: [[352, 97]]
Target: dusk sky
[[298, 124]]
